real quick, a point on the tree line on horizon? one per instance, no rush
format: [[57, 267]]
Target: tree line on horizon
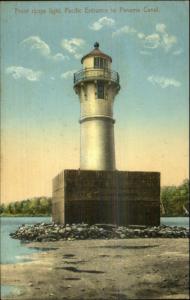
[[37, 206], [174, 200]]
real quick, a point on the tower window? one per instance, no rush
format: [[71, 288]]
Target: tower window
[[100, 63], [100, 90]]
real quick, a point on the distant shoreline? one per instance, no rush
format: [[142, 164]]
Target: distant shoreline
[[25, 216], [45, 216]]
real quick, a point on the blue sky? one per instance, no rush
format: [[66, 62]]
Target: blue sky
[[40, 109]]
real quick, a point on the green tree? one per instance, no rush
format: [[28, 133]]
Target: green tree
[[2, 208], [175, 198]]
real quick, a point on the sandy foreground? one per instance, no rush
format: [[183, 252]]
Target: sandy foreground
[[103, 269]]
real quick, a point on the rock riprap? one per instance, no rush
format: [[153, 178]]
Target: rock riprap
[[44, 232]]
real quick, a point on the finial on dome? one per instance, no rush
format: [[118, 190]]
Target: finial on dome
[[96, 45]]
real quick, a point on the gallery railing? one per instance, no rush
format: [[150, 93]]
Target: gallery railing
[[90, 73]]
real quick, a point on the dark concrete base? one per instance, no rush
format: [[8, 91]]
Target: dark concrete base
[[113, 197]]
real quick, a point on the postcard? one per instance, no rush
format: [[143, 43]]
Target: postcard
[[94, 130]]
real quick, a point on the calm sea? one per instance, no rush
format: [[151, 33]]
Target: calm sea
[[14, 251]]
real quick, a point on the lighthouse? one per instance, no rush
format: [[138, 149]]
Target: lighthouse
[[96, 86], [97, 192]]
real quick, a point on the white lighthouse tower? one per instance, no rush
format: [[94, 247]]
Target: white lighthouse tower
[[97, 193], [96, 85]]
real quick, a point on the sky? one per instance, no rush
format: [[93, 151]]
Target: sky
[[42, 44]]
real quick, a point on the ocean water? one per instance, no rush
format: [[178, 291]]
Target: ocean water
[[175, 221], [8, 290], [14, 251]]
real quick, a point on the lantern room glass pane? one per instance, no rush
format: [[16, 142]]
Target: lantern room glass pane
[[96, 62], [100, 63]]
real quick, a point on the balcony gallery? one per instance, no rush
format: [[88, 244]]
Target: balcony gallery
[[94, 73]]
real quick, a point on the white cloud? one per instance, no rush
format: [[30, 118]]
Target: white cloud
[[68, 74], [177, 52], [124, 30], [158, 39], [59, 57], [18, 72], [167, 40], [142, 52], [73, 46], [102, 22], [141, 35], [163, 82], [37, 44], [152, 41], [161, 28]]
